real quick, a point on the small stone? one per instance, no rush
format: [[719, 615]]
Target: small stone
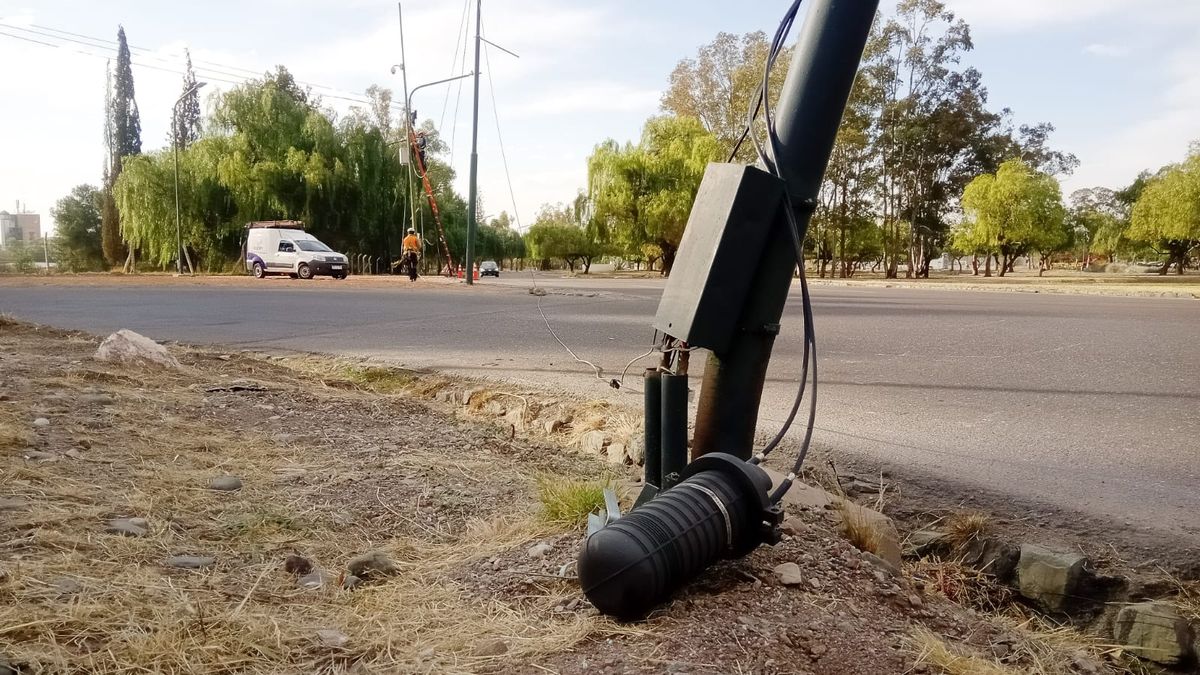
[[225, 483], [297, 564], [372, 566], [126, 346], [539, 550], [313, 580], [494, 647], [815, 583], [66, 586], [332, 638], [789, 574], [635, 449], [74, 454], [925, 542], [39, 456], [574, 604], [191, 562], [126, 527], [915, 601], [594, 441], [818, 650], [795, 527], [616, 453], [139, 522], [351, 582], [41, 422]]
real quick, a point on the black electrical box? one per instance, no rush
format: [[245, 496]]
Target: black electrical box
[[735, 209]]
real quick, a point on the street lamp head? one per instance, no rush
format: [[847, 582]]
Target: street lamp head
[[396, 67], [198, 85]]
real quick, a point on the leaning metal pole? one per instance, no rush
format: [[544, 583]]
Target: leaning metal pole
[[824, 63]]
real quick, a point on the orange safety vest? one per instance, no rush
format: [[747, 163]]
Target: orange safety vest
[[412, 243]]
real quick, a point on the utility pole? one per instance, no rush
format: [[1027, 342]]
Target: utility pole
[[824, 62], [473, 197], [175, 143], [46, 251], [408, 179]]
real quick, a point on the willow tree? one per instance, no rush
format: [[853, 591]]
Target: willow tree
[[642, 194], [1167, 214], [1012, 212]]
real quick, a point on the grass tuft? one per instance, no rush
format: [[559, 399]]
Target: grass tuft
[[858, 529], [568, 501], [960, 584], [934, 652], [964, 527], [381, 380]]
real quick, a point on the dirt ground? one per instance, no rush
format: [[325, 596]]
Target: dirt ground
[[335, 462]]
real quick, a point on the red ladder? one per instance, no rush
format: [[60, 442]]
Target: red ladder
[[433, 206]]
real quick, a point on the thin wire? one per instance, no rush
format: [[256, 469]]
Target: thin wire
[[503, 157], [454, 67]]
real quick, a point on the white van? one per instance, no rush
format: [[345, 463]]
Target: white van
[[283, 247]]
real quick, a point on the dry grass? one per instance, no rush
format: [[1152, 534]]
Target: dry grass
[[152, 454], [568, 501], [964, 527], [859, 530], [1049, 648], [963, 585], [1187, 597], [381, 380], [12, 435], [934, 652]]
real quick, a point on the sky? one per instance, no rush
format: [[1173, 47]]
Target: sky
[[1118, 78]]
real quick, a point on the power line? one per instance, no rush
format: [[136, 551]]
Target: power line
[[210, 73], [500, 137]]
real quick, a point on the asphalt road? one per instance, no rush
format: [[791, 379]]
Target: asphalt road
[[1088, 403]]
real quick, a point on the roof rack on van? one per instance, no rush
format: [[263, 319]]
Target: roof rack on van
[[288, 224]]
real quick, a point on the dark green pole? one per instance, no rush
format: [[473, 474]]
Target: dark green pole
[[473, 203], [808, 113]]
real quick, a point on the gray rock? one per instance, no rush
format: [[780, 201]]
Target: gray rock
[[925, 543], [351, 582], [879, 564], [126, 527], [190, 562], [539, 550], [494, 647], [332, 638], [789, 574], [795, 527], [225, 483], [1154, 631], [313, 580], [41, 422], [66, 586], [126, 346], [372, 566], [1048, 577], [594, 441], [992, 556], [635, 449]]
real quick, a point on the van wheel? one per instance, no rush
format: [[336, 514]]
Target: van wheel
[[304, 271], [259, 272]]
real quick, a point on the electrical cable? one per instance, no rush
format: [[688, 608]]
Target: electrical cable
[[454, 67], [768, 156], [500, 137]]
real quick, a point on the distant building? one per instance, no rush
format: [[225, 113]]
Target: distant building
[[16, 227]]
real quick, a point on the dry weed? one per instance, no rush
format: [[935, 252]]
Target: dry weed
[[964, 527], [934, 652], [859, 530], [958, 583]]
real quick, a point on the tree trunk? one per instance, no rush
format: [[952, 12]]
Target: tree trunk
[[587, 263], [668, 257], [187, 257], [987, 265]]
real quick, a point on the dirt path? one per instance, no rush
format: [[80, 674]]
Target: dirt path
[[107, 475]]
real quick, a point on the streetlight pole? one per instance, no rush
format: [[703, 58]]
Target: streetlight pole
[[175, 142], [468, 273]]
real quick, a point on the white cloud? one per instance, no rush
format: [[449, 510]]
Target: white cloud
[[1101, 49]]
